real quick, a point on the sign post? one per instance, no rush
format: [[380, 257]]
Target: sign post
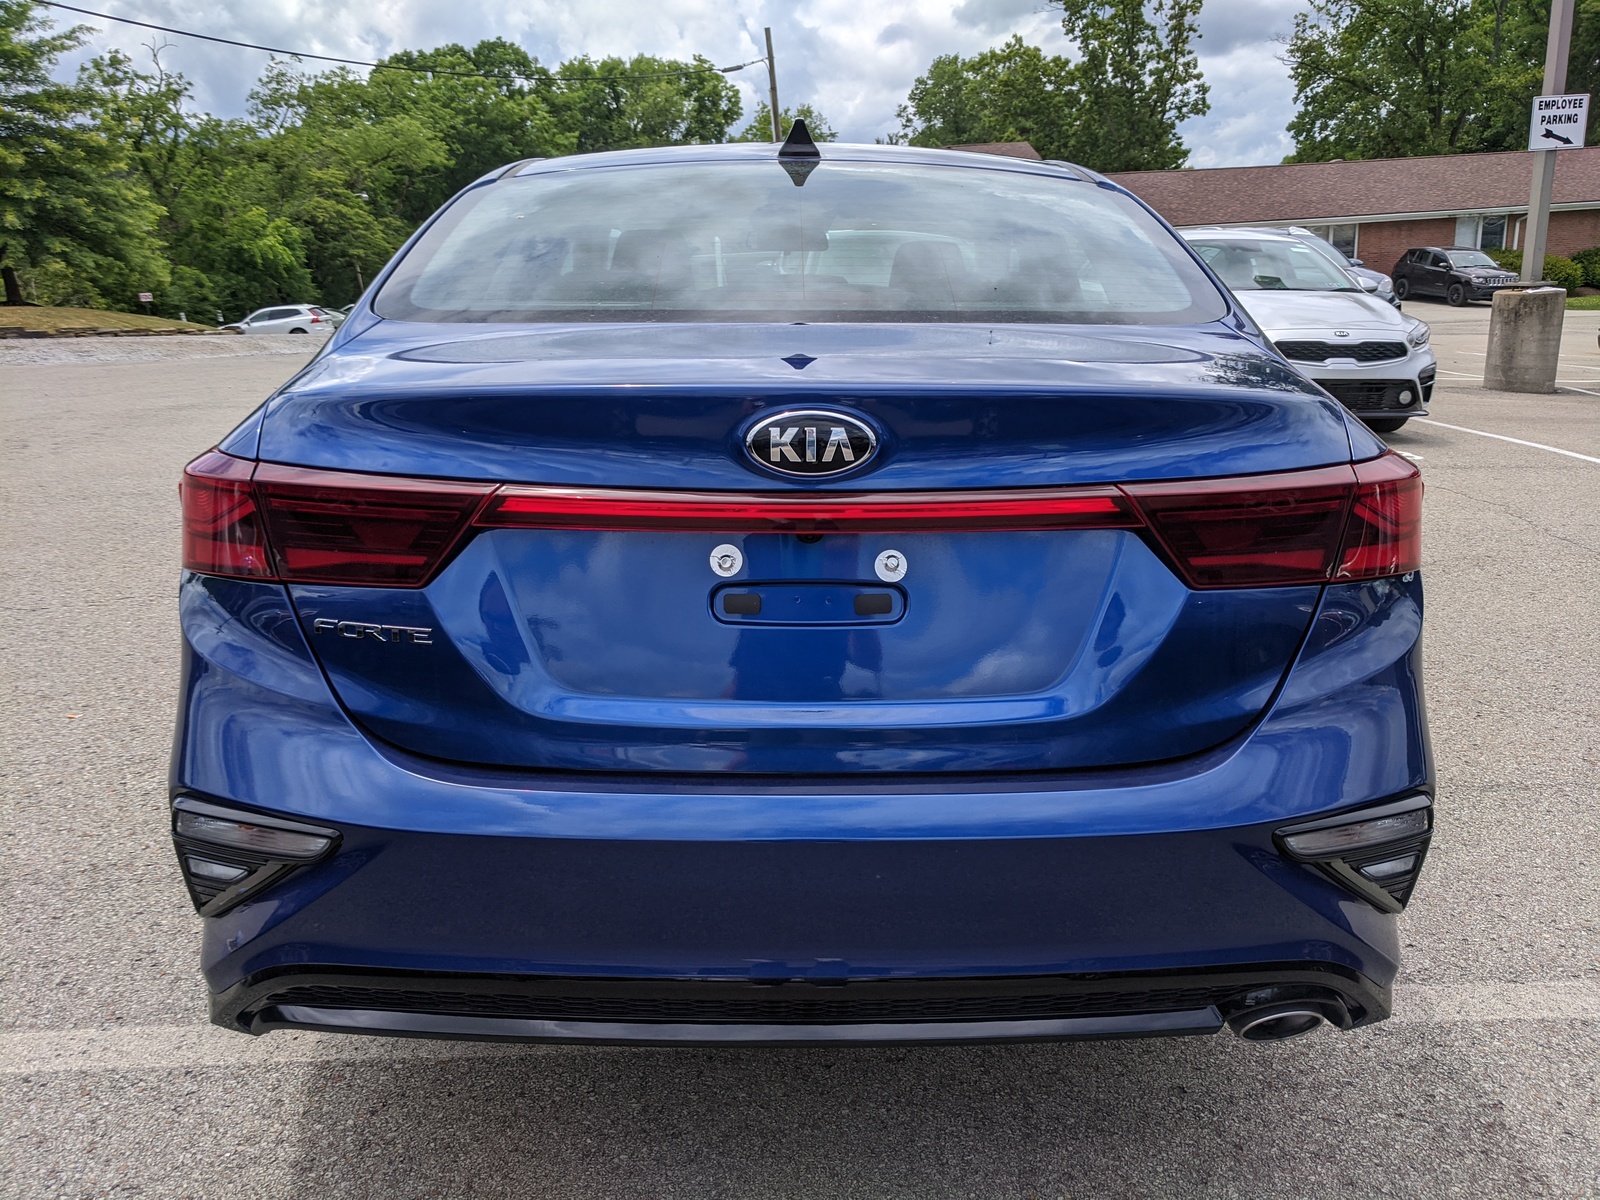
[[1556, 51]]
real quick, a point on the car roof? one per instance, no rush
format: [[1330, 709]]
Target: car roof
[[830, 151], [1254, 235]]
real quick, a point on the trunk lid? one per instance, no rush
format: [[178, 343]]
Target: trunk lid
[[625, 650]]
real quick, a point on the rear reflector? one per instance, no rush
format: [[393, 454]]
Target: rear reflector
[[300, 525]]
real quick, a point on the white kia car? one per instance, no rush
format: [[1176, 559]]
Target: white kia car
[[1369, 356], [288, 318]]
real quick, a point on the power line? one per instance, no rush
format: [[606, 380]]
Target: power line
[[551, 80]]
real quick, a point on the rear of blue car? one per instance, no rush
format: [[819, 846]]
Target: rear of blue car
[[719, 595]]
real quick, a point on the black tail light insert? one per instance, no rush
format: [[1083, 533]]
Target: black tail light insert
[[228, 854], [1376, 852]]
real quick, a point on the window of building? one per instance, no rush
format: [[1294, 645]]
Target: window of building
[[1492, 233], [1341, 236]]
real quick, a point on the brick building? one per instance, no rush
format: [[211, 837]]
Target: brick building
[[1377, 209]]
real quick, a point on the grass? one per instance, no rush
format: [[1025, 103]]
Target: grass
[[1583, 303], [84, 318]]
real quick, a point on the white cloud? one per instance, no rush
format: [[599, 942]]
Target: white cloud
[[854, 61]]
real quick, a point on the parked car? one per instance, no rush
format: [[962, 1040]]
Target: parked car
[[1373, 359], [1372, 281], [1369, 281], [653, 626], [287, 318], [1458, 274]]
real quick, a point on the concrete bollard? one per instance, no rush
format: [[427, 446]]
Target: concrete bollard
[[1525, 339]]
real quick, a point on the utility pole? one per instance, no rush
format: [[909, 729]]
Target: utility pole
[[1537, 233], [772, 72]]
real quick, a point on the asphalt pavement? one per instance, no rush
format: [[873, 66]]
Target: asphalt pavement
[[112, 1083]]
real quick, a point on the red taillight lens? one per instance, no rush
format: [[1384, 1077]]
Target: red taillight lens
[[379, 530], [310, 526], [222, 531], [878, 512], [1384, 535], [1263, 531]]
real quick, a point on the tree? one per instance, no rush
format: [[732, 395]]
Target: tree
[[612, 104], [1393, 78], [67, 198], [1137, 78], [1116, 107], [1013, 93], [760, 127]]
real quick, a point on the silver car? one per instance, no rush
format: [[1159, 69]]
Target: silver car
[[287, 318], [1368, 355]]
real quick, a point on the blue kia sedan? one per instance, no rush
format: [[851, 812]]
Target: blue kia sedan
[[800, 595]]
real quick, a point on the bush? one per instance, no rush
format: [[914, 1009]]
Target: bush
[[1563, 272], [1589, 260]]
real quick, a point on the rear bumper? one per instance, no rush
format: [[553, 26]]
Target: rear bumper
[[615, 908], [791, 1012]]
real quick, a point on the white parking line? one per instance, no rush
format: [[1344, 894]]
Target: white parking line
[[1500, 437], [189, 1047]]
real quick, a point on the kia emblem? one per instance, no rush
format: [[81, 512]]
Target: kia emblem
[[810, 442]]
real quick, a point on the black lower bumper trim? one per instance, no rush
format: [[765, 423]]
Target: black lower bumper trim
[[787, 1011]]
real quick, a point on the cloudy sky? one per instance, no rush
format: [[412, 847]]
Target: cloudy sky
[[854, 61]]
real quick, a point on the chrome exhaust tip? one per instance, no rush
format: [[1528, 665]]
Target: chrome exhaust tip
[[1276, 1022]]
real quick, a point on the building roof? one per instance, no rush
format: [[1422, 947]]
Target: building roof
[[1379, 187], [1006, 149]]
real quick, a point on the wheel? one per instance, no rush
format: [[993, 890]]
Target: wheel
[[1386, 424], [1456, 295], [298, 331], [1402, 288]]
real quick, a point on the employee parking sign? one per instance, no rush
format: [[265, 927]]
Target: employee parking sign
[[1559, 122]]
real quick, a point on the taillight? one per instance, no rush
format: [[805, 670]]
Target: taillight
[[1260, 531], [873, 512], [1384, 536], [378, 530], [304, 525], [222, 531]]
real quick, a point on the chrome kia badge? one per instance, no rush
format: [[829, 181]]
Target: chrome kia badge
[[810, 442]]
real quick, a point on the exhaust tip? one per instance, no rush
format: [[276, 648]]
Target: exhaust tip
[[1277, 1022]]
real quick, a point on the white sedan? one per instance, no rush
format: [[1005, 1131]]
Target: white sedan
[[288, 318], [1368, 355]]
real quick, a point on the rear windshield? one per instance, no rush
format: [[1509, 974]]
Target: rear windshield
[[741, 242]]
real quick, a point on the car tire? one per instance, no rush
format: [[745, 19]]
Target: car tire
[[1456, 295], [1402, 288], [1386, 424], [299, 331]]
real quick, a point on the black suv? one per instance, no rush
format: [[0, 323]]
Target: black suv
[[1459, 274]]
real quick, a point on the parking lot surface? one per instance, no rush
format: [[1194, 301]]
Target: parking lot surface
[[112, 1084]]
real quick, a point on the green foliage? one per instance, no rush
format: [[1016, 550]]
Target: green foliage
[[1589, 261], [1564, 272], [68, 199], [1137, 78], [1393, 78], [1012, 93], [1116, 107], [115, 185], [760, 127]]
